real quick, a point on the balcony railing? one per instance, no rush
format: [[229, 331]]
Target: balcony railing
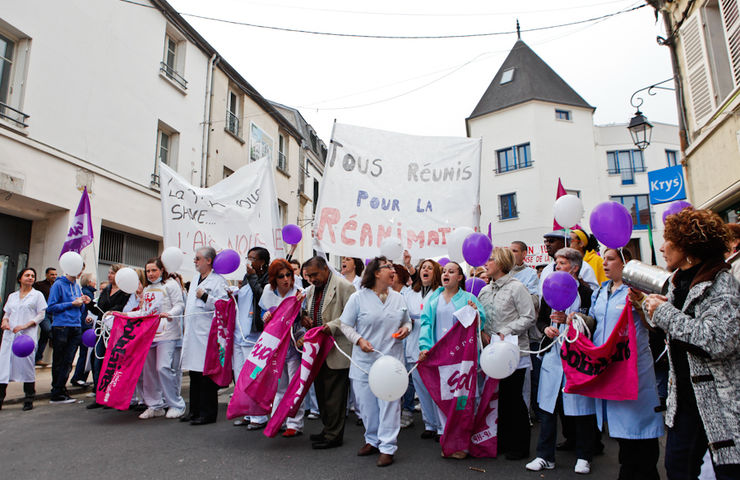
[[172, 74], [617, 171], [11, 114], [232, 123], [511, 168]]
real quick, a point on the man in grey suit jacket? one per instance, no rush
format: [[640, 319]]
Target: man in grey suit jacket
[[325, 301]]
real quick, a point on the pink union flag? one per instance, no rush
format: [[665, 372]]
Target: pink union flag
[[258, 381], [609, 371], [220, 345], [128, 346], [80, 233], [316, 347]]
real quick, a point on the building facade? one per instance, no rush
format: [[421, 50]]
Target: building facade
[[703, 40], [536, 129], [101, 114]]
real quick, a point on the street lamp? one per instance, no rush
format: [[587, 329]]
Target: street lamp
[[641, 130]]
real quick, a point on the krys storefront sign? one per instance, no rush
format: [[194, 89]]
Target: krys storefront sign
[[666, 185]]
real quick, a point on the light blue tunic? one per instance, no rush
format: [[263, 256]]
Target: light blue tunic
[[552, 380], [376, 322], [428, 334], [243, 335], [630, 419]]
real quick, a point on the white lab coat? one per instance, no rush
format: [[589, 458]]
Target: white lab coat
[[20, 312], [198, 319]]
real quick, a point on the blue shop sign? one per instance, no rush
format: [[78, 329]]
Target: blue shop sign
[[667, 185]]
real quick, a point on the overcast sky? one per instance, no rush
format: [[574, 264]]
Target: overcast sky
[[429, 87]]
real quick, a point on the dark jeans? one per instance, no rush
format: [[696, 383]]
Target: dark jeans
[[65, 341], [584, 433], [29, 388], [44, 334], [408, 397], [203, 397], [638, 459], [332, 389], [513, 420], [96, 362], [686, 444], [80, 373], [534, 375]]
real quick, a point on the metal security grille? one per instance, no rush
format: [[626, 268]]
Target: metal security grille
[[120, 247]]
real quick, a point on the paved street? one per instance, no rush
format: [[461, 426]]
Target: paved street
[[61, 440]]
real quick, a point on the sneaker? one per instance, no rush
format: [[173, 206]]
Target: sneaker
[[407, 419], [79, 383], [151, 413], [313, 416], [582, 466], [61, 399], [292, 432], [175, 412], [538, 464], [256, 426]]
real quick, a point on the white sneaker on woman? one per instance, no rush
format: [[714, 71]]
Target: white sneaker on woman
[[151, 413], [582, 466], [175, 412], [540, 463]]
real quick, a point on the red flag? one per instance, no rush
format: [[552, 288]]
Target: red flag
[[561, 192], [220, 346]]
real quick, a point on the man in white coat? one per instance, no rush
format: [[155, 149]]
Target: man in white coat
[[199, 308]]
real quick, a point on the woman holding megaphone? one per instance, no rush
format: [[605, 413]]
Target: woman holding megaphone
[[375, 319]]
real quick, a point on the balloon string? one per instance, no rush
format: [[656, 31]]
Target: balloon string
[[579, 325]]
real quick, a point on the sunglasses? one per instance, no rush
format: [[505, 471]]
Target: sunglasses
[[284, 275]]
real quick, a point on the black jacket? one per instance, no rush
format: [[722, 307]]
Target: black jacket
[[257, 283]]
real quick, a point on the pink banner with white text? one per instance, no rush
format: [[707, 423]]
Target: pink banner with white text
[[221, 343], [258, 381], [608, 371], [316, 347], [128, 346]]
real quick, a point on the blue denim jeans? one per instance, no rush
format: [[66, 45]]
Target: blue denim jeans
[[408, 397], [65, 341], [44, 334]]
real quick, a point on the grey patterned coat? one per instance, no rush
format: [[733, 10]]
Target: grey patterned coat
[[710, 319]]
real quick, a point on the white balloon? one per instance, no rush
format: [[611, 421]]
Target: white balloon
[[172, 258], [127, 280], [71, 263], [455, 243], [499, 359], [568, 210], [391, 248], [388, 378]]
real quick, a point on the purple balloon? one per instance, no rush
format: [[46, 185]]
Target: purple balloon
[[474, 285], [23, 346], [88, 338], [676, 207], [560, 290], [476, 249], [611, 223], [292, 234], [226, 261], [443, 261]]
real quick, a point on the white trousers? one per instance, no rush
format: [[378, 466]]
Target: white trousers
[[382, 419], [428, 407], [291, 368], [161, 376], [241, 352]]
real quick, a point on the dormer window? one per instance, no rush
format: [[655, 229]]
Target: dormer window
[[507, 76]]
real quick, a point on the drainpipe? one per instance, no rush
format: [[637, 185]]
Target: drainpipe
[[207, 120]]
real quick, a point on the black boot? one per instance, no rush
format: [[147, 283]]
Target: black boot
[[3, 388], [29, 388]]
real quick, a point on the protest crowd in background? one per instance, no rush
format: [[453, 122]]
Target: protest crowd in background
[[298, 341]]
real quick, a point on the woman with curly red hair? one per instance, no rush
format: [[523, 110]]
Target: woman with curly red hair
[[701, 319]]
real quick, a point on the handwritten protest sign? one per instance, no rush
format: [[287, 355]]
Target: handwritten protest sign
[[380, 184], [537, 255], [239, 212]]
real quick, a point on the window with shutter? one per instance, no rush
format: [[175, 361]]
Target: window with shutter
[[701, 95], [731, 20]]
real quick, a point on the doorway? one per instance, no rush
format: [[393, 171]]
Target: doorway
[[14, 242]]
